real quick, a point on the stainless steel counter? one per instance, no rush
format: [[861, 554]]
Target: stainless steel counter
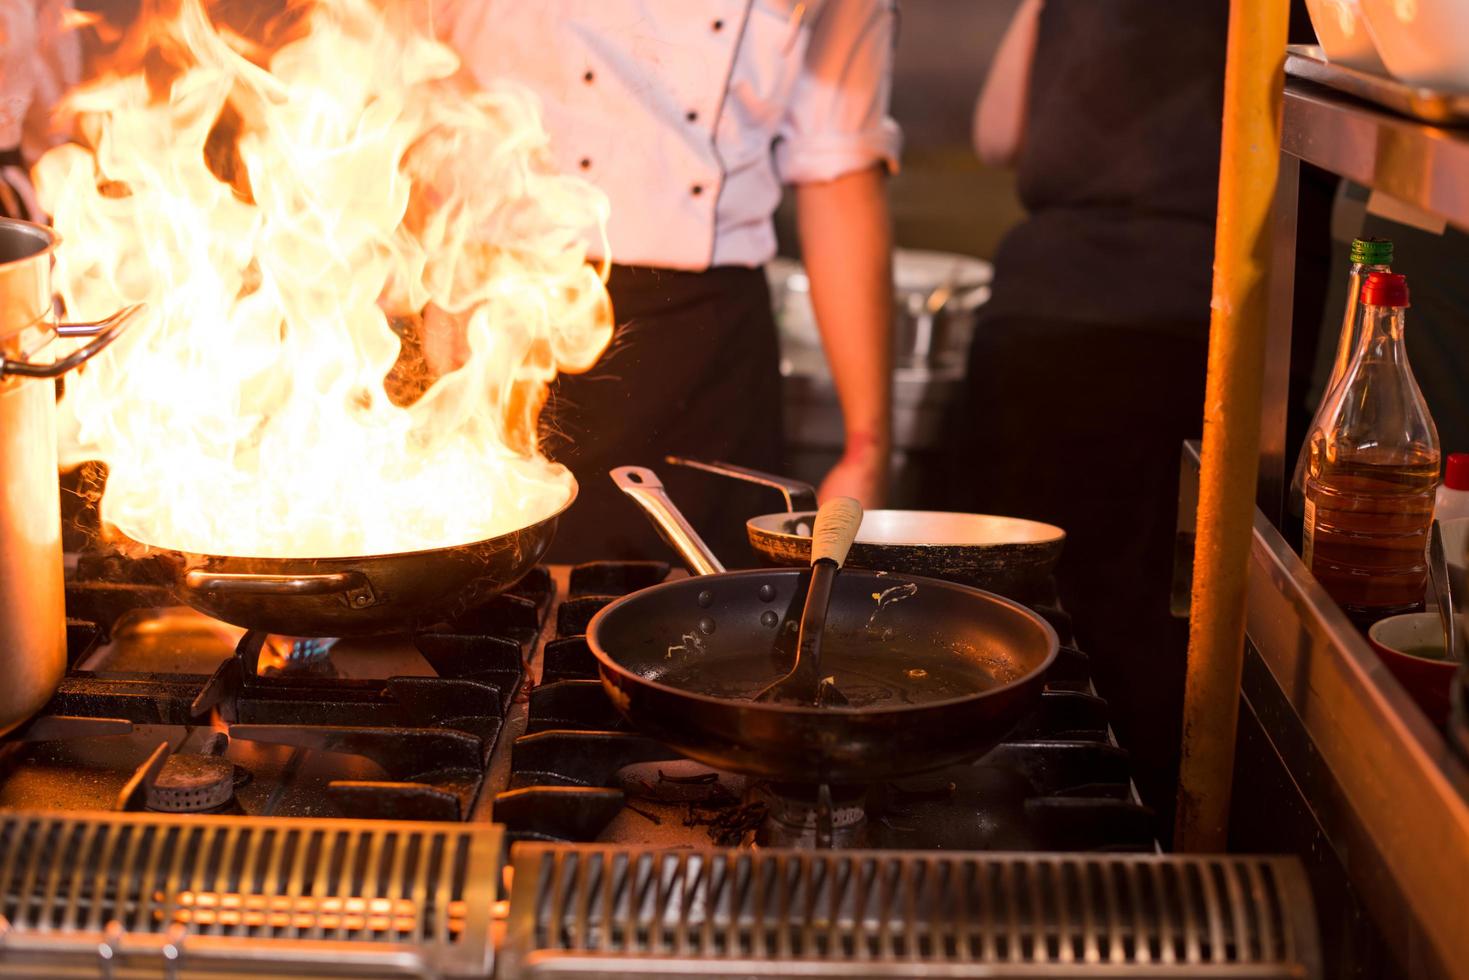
[[1384, 799]]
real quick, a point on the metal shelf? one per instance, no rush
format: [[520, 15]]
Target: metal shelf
[[1382, 785], [1423, 165], [1386, 788]]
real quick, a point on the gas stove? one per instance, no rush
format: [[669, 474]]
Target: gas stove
[[412, 804], [579, 773]]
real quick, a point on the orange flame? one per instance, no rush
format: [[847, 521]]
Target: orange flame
[[269, 199], [77, 20]]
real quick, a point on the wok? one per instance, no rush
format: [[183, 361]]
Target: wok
[[356, 596], [935, 672], [1008, 555]]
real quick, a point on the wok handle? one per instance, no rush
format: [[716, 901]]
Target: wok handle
[[353, 585], [646, 490], [798, 496]]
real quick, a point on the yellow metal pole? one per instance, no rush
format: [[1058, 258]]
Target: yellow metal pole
[[1249, 164]]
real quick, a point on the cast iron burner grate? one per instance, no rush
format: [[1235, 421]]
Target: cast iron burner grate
[[580, 774], [399, 728]]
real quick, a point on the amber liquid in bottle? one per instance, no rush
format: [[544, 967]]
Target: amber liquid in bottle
[[1367, 518], [1372, 471]]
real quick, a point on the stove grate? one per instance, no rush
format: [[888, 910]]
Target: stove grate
[[125, 889], [595, 911]]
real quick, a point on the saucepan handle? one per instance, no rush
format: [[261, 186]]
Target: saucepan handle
[[353, 585], [798, 496], [646, 490], [103, 332]]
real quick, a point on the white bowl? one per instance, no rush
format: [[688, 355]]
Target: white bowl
[[1342, 34], [1422, 42]]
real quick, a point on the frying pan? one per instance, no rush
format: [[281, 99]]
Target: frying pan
[[355, 596], [1007, 555], [935, 672]]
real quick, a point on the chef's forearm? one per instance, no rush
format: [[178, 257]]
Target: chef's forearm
[[846, 243]]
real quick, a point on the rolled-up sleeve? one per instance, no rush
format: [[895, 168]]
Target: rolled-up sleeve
[[837, 122]]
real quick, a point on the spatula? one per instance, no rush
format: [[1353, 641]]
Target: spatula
[[836, 528]]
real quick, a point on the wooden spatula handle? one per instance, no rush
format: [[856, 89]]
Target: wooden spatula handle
[[836, 528]]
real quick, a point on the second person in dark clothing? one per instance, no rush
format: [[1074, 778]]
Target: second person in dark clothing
[[1087, 369]]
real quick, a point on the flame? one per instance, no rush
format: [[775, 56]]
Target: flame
[[79, 20], [273, 195]]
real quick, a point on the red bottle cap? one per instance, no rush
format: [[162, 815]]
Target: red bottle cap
[[1456, 471], [1385, 289]]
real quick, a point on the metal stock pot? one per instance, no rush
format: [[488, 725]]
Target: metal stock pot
[[936, 301], [32, 601]]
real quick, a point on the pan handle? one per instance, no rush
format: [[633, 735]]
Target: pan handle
[[353, 585], [644, 487], [798, 496]]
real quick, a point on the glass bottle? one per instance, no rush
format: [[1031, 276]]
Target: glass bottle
[[1368, 255], [1372, 470]]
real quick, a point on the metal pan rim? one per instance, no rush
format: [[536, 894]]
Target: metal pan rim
[[1046, 535], [607, 663], [117, 534]]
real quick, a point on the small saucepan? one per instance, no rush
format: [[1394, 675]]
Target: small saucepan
[[1007, 555], [933, 672]]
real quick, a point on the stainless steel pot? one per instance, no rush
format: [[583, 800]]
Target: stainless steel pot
[[32, 601], [936, 301]]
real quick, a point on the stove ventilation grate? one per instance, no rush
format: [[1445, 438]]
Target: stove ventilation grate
[[592, 911], [233, 894]]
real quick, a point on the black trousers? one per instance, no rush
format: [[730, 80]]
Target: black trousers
[[693, 370], [1081, 425]]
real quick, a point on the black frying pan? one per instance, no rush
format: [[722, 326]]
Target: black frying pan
[[1008, 555], [935, 672]]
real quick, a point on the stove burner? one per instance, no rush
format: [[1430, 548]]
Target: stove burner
[[813, 816], [190, 783], [296, 655], [309, 650]]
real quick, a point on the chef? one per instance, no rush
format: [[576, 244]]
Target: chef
[[39, 58], [691, 116]]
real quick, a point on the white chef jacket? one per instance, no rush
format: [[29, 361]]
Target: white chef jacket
[[690, 114]]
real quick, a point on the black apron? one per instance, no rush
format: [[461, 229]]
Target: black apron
[[693, 370]]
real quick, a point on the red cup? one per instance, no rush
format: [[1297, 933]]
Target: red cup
[[1401, 642]]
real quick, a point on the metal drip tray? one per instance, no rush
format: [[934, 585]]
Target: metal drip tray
[[584, 911], [164, 895]]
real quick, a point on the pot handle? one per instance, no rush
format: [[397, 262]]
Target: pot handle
[[798, 496], [103, 333], [646, 490], [353, 585]]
